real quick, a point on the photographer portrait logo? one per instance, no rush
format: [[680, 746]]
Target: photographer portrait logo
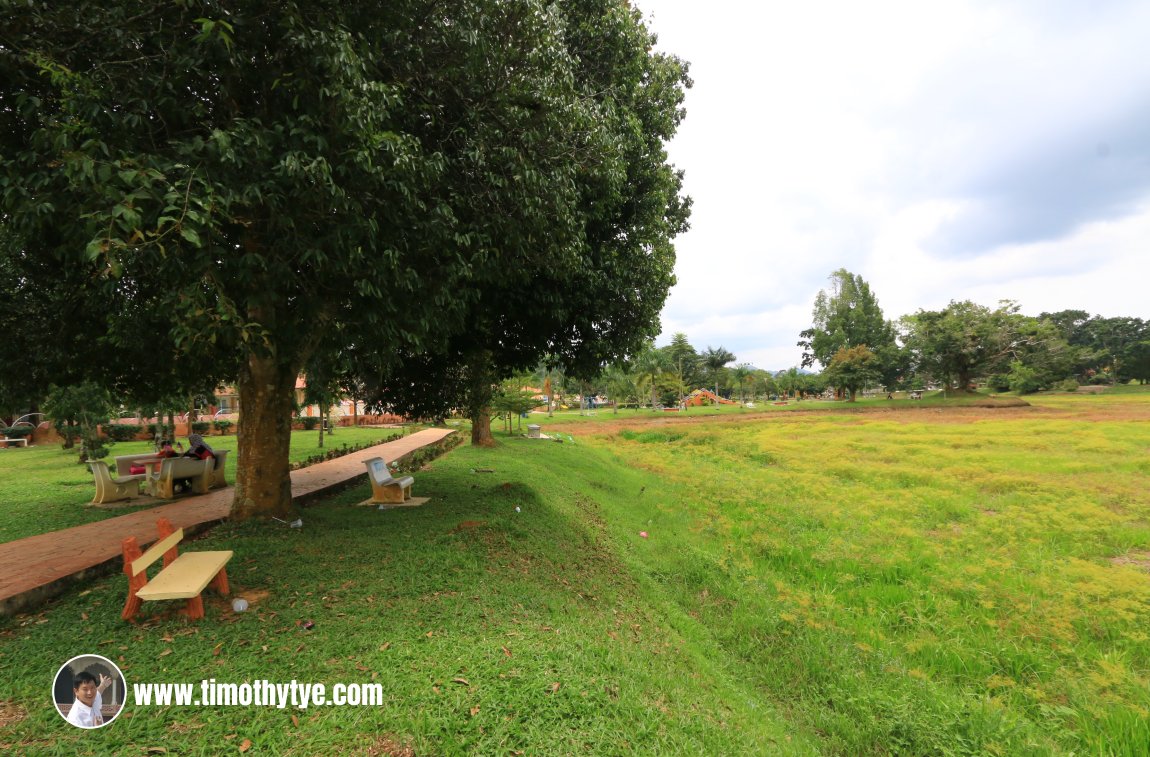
[[89, 691]]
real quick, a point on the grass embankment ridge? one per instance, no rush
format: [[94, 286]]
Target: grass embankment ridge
[[490, 630]]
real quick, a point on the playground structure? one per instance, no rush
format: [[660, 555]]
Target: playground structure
[[701, 397]]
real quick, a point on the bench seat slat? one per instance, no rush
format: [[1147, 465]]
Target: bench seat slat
[[186, 577]]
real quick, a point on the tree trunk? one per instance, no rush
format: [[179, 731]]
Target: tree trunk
[[481, 428], [322, 418], [263, 481], [479, 399]]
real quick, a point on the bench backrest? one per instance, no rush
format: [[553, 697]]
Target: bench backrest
[[124, 462], [157, 550], [378, 470], [177, 467]]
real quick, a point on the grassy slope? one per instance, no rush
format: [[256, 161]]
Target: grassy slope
[[45, 489], [465, 588], [914, 582], [852, 583]]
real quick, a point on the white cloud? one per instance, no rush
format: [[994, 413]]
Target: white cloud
[[944, 150]]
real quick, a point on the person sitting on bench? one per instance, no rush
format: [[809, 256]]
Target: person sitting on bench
[[165, 451], [198, 449]]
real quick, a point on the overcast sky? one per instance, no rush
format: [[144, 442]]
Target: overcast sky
[[940, 150]]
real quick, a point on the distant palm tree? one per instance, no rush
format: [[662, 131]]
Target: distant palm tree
[[650, 363], [715, 360], [744, 375]]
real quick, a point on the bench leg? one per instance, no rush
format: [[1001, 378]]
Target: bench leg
[[132, 552], [195, 607], [220, 582]]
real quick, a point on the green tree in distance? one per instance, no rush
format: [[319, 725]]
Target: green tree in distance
[[715, 360], [650, 363], [852, 368], [964, 341], [848, 315]]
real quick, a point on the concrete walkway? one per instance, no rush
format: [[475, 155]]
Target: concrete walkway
[[37, 567]]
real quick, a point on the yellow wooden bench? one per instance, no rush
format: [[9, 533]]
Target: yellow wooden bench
[[182, 577]]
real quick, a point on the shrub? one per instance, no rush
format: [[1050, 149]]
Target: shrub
[[999, 382], [200, 427], [18, 432], [308, 422], [1067, 385], [222, 426], [122, 432]]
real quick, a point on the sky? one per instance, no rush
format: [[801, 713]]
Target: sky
[[943, 150]]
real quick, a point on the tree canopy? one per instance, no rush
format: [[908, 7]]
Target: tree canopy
[[257, 186]]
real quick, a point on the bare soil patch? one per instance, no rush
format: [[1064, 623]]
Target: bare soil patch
[[1137, 560]]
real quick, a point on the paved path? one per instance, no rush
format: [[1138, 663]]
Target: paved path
[[38, 562]]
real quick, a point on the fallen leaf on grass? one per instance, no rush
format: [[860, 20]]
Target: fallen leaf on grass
[[429, 634], [474, 710], [83, 616], [384, 646], [555, 687], [506, 651], [246, 745], [295, 720], [165, 653], [462, 681], [156, 750]]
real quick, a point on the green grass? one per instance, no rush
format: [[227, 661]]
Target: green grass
[[966, 581], [46, 489], [465, 589]]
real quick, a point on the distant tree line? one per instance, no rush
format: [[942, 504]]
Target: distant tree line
[[965, 344], [957, 348]]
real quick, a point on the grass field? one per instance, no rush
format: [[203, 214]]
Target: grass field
[[924, 581]]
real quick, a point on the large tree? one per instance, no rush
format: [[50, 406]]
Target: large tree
[[965, 341], [263, 177], [848, 315]]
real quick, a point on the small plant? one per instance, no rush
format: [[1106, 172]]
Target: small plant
[[308, 422], [200, 427], [222, 426]]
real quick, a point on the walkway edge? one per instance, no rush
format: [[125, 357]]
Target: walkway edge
[[37, 568]]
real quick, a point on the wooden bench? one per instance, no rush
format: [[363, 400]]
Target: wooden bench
[[21, 440], [182, 577], [173, 468], [385, 489], [110, 489]]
